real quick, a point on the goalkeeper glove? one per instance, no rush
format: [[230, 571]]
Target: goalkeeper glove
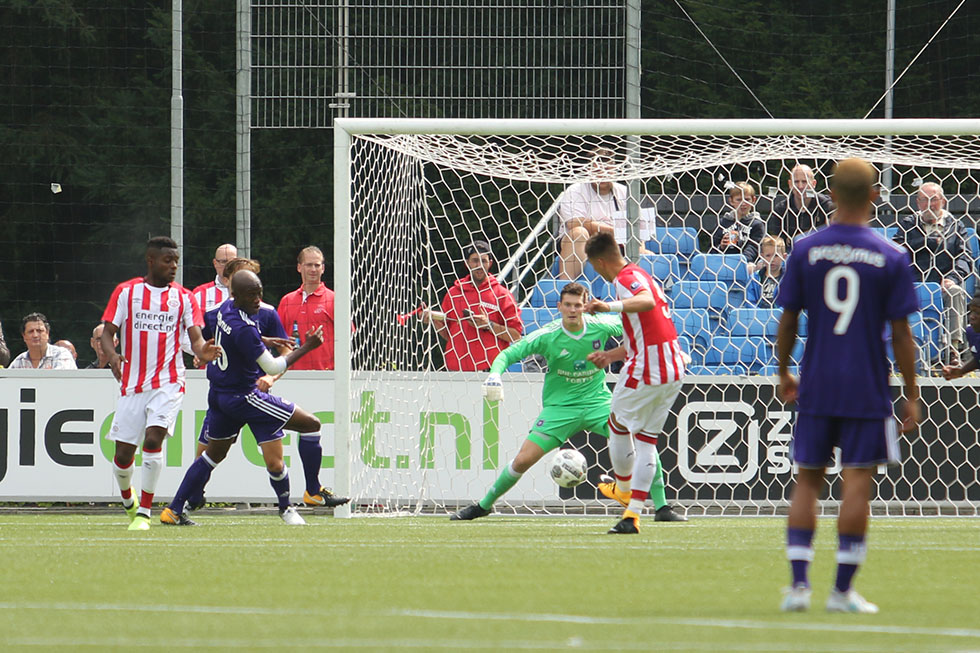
[[493, 388]]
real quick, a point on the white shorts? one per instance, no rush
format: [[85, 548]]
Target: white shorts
[[643, 409], [137, 412]]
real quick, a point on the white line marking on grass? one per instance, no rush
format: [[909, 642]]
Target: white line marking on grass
[[576, 643], [707, 623], [111, 607]]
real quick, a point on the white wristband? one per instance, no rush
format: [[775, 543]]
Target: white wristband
[[616, 307]]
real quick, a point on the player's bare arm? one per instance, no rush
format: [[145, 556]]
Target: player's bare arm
[[204, 350], [115, 359], [638, 303], [904, 346], [607, 357], [785, 339]]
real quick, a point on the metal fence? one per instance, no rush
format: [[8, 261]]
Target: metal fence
[[314, 60]]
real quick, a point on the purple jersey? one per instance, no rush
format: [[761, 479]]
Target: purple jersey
[[973, 339], [267, 320], [237, 333], [851, 282]]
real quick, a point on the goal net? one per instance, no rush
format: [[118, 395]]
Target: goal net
[[415, 434]]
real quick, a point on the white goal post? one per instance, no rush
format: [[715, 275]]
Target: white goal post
[[411, 194]]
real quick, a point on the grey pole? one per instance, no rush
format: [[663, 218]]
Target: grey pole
[[633, 111], [243, 130], [886, 173], [177, 132]]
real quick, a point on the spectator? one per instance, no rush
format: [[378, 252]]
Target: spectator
[[4, 350], [66, 344], [938, 244], [212, 294], [308, 307], [740, 231], [479, 316], [41, 355], [803, 209], [764, 284], [101, 357], [589, 208]]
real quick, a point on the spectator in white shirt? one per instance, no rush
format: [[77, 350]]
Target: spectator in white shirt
[[589, 208], [40, 355]]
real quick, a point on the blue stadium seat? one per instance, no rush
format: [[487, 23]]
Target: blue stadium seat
[[930, 296], [698, 324], [796, 355], [890, 232], [752, 353], [516, 367], [701, 294], [729, 268], [803, 324], [546, 292], [973, 246], [674, 240], [664, 268], [535, 317], [759, 322]]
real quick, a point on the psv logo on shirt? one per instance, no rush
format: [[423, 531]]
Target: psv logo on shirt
[[173, 303]]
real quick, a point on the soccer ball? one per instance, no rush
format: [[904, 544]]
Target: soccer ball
[[568, 468]]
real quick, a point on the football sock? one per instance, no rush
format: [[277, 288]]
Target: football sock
[[851, 552], [311, 454], [658, 491], [799, 552], [280, 485], [644, 470], [149, 476], [621, 455], [507, 479], [195, 479], [124, 478]]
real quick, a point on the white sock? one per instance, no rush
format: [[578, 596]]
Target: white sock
[[621, 454], [149, 476], [124, 478], [644, 469]]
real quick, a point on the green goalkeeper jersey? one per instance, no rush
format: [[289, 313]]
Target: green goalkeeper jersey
[[571, 380]]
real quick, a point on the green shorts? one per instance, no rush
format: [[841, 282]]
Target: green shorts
[[556, 424]]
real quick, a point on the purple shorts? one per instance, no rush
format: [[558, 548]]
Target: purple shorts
[[862, 442], [264, 414]]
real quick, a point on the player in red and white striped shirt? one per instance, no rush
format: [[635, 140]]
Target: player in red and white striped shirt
[[151, 315], [650, 379], [212, 294]]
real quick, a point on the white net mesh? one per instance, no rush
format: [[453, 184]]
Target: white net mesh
[[423, 438]]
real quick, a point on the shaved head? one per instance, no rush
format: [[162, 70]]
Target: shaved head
[[245, 281], [853, 183]]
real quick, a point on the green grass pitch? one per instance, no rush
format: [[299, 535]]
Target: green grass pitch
[[248, 582]]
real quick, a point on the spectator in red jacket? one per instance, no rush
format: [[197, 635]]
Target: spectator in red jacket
[[479, 316], [310, 306]]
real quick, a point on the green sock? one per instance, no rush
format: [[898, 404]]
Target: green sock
[[657, 490], [504, 482]]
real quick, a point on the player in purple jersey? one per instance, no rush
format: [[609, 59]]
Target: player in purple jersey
[[852, 283], [310, 450], [973, 342], [234, 400]]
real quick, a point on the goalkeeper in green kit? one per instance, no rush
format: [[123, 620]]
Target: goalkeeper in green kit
[[575, 397]]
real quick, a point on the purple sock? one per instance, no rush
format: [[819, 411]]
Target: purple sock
[[850, 554], [280, 485], [197, 476], [799, 551], [311, 453]]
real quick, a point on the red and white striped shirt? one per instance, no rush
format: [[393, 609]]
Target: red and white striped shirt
[[653, 354], [211, 294], [151, 321]]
